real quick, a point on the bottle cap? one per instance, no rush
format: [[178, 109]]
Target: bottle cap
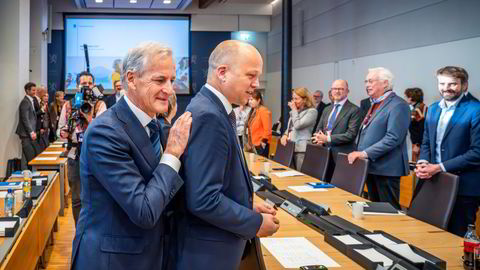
[[9, 190]]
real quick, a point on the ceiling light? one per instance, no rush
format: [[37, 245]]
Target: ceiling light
[[133, 1], [98, 1], [167, 1]]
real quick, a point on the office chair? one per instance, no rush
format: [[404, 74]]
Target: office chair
[[435, 199], [350, 177], [316, 161], [284, 154]]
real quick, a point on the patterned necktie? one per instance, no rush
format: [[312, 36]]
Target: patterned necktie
[[233, 120], [155, 137], [333, 117]]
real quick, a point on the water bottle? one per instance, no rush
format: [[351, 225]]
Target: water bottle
[[27, 182], [9, 203], [470, 241]]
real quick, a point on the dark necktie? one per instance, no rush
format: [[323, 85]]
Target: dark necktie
[[331, 121], [371, 112], [233, 120], [155, 137]]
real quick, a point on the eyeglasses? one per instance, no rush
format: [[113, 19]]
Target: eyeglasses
[[370, 80], [337, 89]]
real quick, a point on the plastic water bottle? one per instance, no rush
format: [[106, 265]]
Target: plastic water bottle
[[9, 203], [27, 182], [470, 241]]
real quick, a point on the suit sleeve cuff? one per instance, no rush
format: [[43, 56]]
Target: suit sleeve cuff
[[442, 167], [422, 161], [172, 161]]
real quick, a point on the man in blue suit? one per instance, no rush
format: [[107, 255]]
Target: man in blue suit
[[451, 143], [218, 215], [127, 177], [382, 138]]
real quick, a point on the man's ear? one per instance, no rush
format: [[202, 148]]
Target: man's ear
[[221, 72], [464, 86], [131, 78]]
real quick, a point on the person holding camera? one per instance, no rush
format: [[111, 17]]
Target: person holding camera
[[74, 119]]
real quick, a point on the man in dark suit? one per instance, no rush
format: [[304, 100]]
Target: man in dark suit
[[27, 125], [339, 124], [320, 105], [127, 177], [115, 97], [382, 138], [451, 143], [219, 216], [364, 106]]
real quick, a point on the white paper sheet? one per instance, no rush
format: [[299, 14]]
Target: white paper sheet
[[37, 173], [6, 224], [46, 158], [56, 146], [288, 173], [59, 142], [52, 152], [305, 188], [293, 252], [375, 256], [379, 238], [405, 250], [347, 239]]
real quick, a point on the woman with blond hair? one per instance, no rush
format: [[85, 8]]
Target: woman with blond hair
[[303, 116], [54, 110]]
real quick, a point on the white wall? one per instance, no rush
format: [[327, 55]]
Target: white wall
[[14, 56], [38, 41], [412, 67]]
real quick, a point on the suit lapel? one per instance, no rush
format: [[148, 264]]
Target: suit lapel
[[136, 132], [457, 115], [341, 114], [382, 107], [206, 92], [327, 111]]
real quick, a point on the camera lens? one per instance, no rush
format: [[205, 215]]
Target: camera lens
[[86, 108]]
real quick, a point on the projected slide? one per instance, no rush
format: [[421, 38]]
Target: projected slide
[[108, 40]]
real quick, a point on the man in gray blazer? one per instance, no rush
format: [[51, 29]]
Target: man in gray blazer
[[27, 125], [339, 124], [382, 138]]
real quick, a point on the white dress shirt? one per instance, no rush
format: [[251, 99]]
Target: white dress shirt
[[340, 103], [167, 159], [31, 101]]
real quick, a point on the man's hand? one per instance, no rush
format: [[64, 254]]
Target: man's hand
[[264, 208], [179, 134], [33, 135], [42, 131], [64, 134], [319, 138], [354, 155], [427, 170], [270, 225], [283, 140]]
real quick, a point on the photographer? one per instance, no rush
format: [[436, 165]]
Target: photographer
[[74, 119]]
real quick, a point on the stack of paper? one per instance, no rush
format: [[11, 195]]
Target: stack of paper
[[306, 189], [375, 256], [46, 158], [294, 252], [288, 173]]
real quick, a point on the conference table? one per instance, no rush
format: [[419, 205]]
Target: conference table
[[26, 248], [59, 164], [436, 241]]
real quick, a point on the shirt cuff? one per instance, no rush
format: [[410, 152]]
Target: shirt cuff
[[329, 139], [171, 160], [365, 153], [422, 161], [441, 166]]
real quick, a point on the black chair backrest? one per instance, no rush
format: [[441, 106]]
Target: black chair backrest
[[316, 161], [350, 177], [284, 154], [435, 199]]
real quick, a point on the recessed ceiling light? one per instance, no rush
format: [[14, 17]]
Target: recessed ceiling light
[[167, 1], [98, 1], [133, 1]]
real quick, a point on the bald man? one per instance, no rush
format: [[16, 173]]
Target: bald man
[[339, 124], [218, 215]]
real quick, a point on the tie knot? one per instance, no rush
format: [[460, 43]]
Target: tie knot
[[153, 126]]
